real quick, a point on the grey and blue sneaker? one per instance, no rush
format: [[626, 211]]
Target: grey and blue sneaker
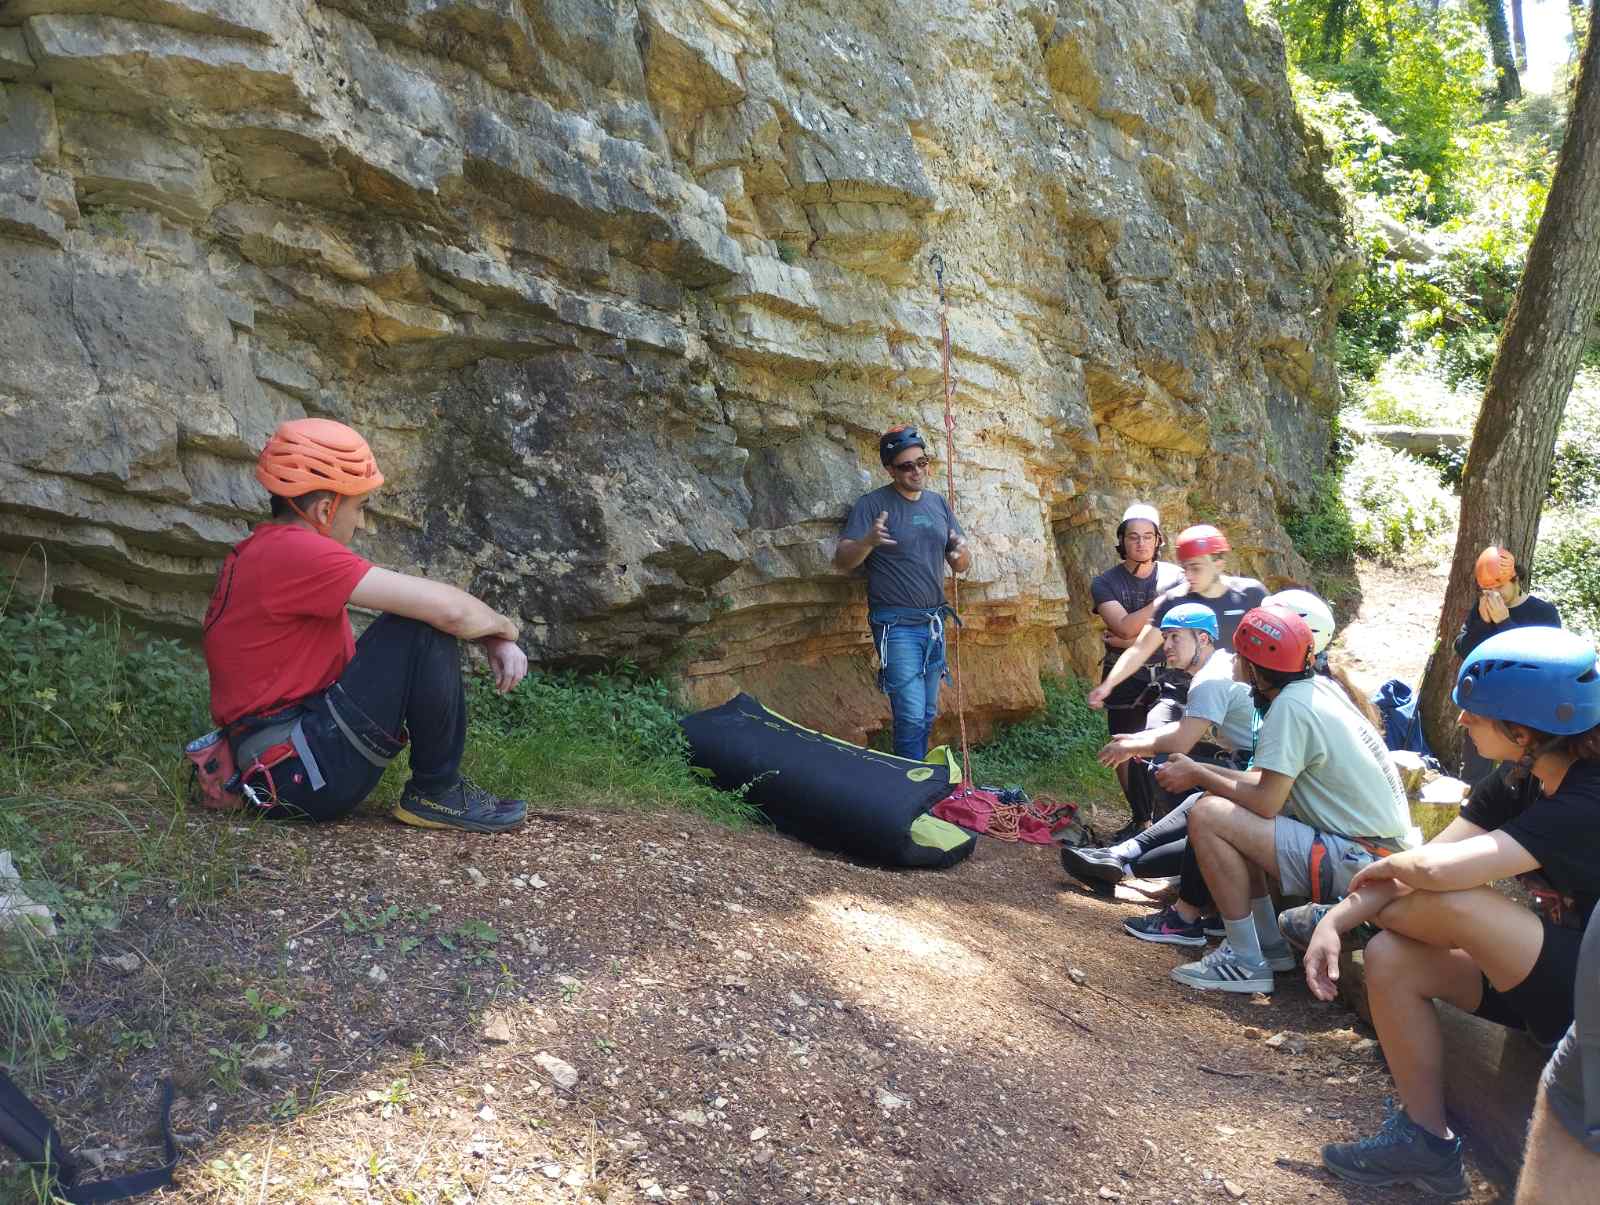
[[1401, 1152], [464, 806], [1224, 970], [1298, 924], [1167, 927]]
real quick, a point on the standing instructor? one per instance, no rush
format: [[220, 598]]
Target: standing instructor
[[906, 534]]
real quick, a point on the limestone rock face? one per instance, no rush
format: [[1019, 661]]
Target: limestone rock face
[[621, 292]]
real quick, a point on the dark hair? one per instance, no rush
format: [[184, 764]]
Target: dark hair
[[1276, 679], [282, 510], [1585, 746]]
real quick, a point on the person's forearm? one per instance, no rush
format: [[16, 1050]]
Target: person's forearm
[[1362, 905], [1133, 624], [1168, 738], [1130, 663], [963, 560], [850, 554], [477, 620], [1245, 789]]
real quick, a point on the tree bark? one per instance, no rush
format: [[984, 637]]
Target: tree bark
[[1508, 82], [1513, 443], [1519, 39]]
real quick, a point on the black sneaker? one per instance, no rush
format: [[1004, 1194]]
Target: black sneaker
[[463, 806], [1127, 832], [1100, 869], [1401, 1152]]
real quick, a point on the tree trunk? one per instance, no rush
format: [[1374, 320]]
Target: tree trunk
[[1333, 30], [1513, 443], [1519, 40], [1508, 83]]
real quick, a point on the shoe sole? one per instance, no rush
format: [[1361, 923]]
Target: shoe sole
[[1091, 872], [1242, 987], [1165, 939], [1454, 1190], [405, 816]]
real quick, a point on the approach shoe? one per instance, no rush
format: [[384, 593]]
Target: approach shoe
[[1298, 924], [1401, 1152], [1224, 970], [1167, 927], [1099, 868], [464, 806]]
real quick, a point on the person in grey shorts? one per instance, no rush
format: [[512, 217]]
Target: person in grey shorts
[[1562, 1162], [1320, 800]]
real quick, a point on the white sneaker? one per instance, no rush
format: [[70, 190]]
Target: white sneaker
[[1223, 970]]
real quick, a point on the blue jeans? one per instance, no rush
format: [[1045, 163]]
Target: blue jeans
[[913, 666]]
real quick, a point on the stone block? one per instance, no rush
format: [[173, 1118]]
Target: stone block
[[29, 131], [15, 61], [35, 206], [107, 62], [118, 163], [226, 18]]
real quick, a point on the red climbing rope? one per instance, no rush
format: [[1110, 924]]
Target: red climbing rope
[[950, 481]]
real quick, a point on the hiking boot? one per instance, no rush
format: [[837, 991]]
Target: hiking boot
[[1401, 1152], [1127, 832], [1096, 867], [463, 806], [1298, 924], [1168, 928], [1223, 970]]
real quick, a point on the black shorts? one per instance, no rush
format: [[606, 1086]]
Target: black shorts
[[1541, 1003]]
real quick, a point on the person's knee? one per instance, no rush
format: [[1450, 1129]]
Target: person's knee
[[1208, 814], [1385, 960]]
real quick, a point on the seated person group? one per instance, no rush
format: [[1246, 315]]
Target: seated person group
[[1245, 757], [1269, 766]]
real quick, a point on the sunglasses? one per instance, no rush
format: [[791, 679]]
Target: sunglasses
[[905, 466]]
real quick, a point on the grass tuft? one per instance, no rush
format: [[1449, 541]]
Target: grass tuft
[[1053, 752]]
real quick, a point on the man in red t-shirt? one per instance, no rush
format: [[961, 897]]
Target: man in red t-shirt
[[284, 660]]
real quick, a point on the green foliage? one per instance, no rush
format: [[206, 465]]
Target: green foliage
[[1053, 751], [1321, 532], [1567, 569], [605, 738], [1395, 502], [80, 692]]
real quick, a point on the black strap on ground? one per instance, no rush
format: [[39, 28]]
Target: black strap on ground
[[38, 1143]]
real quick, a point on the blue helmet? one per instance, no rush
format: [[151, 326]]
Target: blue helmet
[[1194, 616], [1543, 678]]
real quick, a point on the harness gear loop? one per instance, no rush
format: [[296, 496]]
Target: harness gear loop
[[937, 262]]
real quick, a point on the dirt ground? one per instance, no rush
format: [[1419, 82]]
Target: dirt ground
[[624, 1008], [1395, 624]]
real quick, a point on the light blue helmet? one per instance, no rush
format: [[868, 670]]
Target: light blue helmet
[[1543, 678], [1193, 616]]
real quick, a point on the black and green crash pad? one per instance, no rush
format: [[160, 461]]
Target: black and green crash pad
[[827, 792]]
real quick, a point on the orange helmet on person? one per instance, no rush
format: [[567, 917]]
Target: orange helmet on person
[[1201, 540], [1496, 566], [309, 454], [1274, 638]]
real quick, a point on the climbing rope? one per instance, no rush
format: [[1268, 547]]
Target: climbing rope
[[1003, 818], [937, 261]]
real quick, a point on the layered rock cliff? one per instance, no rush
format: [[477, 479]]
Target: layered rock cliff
[[622, 290]]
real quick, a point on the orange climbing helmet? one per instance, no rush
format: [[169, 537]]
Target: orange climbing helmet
[[308, 454], [1200, 540], [1496, 566]]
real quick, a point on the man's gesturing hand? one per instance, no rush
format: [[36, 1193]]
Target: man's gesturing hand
[[878, 535]]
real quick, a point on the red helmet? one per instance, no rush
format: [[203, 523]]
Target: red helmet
[[1274, 638], [1200, 540]]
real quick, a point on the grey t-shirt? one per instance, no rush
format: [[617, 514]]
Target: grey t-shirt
[[909, 572], [1344, 782], [1227, 705]]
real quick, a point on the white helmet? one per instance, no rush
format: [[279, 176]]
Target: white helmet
[[1316, 613], [1141, 510]]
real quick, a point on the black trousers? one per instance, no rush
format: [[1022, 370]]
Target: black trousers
[[404, 679]]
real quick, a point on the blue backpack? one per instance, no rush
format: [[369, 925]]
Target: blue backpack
[[1402, 727]]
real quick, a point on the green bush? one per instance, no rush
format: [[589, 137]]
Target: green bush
[[1321, 532], [77, 693], [1052, 752], [1567, 568], [1395, 502]]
